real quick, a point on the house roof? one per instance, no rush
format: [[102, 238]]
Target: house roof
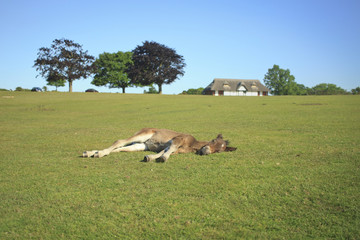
[[223, 84]]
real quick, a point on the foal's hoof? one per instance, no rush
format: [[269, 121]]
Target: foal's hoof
[[146, 159], [88, 154], [161, 159], [98, 155]]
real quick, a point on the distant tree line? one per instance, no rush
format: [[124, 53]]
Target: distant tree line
[[20, 89], [147, 65], [281, 82], [325, 89]]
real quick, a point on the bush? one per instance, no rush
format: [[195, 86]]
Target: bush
[[22, 89], [152, 90], [193, 91]]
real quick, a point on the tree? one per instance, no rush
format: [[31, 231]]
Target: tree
[[327, 89], [55, 80], [355, 90], [110, 70], [155, 63], [65, 59], [280, 81]]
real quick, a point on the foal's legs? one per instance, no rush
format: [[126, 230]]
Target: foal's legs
[[139, 137], [152, 157], [164, 155], [131, 148]]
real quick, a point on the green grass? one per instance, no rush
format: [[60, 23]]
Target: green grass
[[295, 175]]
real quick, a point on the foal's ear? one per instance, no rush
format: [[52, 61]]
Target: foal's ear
[[230, 149], [220, 136]]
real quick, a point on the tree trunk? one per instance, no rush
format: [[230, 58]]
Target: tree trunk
[[160, 88], [70, 85], [123, 89]]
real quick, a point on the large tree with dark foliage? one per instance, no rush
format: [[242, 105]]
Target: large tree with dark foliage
[[154, 63], [110, 70], [66, 60]]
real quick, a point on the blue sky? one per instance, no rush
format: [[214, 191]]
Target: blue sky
[[318, 40]]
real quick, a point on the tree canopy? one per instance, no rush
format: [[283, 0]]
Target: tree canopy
[[280, 81], [65, 60], [326, 89], [154, 63], [110, 70]]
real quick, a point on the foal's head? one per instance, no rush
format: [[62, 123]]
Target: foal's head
[[216, 145]]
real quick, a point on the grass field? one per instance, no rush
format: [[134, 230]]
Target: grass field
[[295, 175]]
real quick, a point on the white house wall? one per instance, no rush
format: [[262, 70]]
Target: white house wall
[[239, 93]]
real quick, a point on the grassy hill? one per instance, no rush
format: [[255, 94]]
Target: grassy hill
[[295, 174]]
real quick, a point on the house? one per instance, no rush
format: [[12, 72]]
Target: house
[[236, 87]]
